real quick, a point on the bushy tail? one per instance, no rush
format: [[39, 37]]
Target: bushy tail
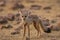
[[45, 29]]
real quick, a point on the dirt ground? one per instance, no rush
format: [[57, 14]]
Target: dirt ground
[[5, 34]]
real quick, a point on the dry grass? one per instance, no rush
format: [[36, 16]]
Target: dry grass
[[5, 34]]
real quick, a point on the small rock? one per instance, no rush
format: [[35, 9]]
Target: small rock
[[56, 28], [9, 26], [18, 6], [30, 1], [6, 27], [47, 8], [14, 33], [53, 21], [2, 3], [57, 15], [36, 7]]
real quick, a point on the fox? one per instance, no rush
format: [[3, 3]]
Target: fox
[[37, 22]]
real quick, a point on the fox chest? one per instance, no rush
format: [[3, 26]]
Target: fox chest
[[28, 20]]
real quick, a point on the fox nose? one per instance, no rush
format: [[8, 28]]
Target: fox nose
[[24, 19]]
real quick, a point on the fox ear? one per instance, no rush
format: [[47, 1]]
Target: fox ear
[[20, 12], [29, 13]]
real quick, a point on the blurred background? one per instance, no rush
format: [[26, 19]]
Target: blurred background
[[49, 9]]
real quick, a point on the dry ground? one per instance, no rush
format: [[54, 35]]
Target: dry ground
[[5, 34]]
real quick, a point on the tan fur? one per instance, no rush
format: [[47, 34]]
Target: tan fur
[[35, 20], [29, 20]]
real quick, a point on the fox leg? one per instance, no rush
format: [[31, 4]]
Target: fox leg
[[24, 30], [36, 25], [28, 31]]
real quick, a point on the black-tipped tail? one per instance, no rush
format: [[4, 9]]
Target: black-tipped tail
[[48, 30]]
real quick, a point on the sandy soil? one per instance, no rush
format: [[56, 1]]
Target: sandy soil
[[5, 34]]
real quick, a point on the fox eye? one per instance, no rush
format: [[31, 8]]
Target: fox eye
[[22, 16], [25, 16]]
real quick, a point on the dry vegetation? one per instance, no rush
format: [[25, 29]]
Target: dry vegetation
[[44, 8]]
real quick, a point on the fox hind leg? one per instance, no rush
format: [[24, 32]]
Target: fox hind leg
[[36, 25]]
